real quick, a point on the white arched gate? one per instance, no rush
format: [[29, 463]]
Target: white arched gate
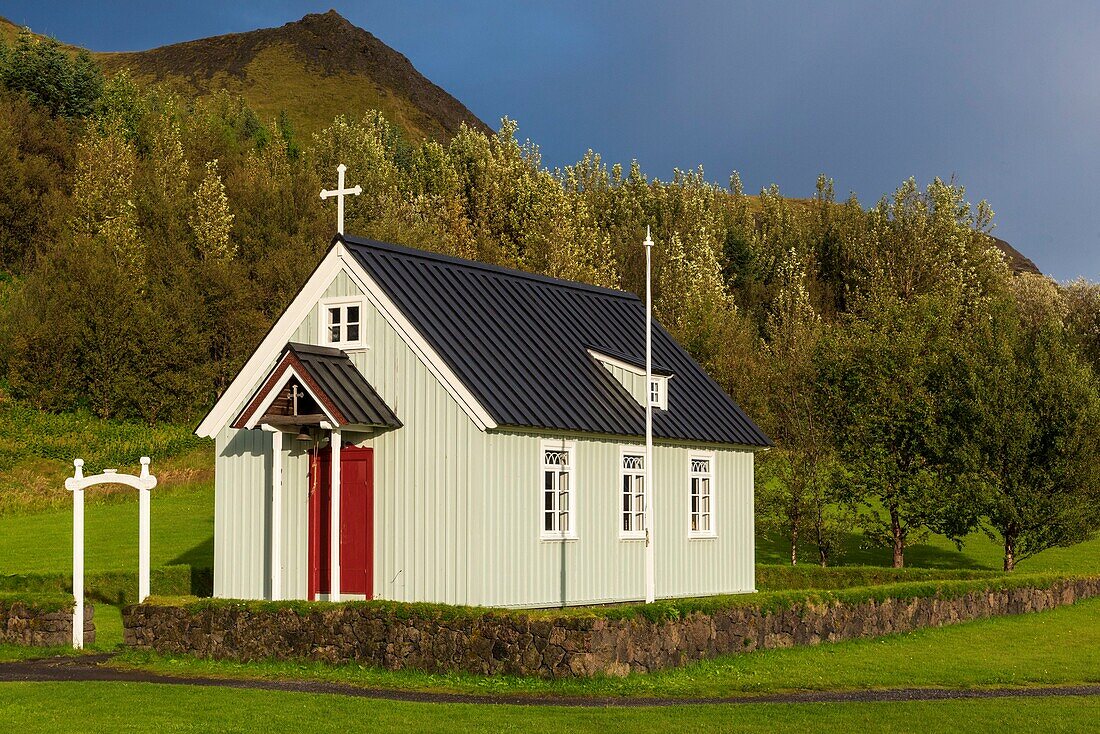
[[77, 484]]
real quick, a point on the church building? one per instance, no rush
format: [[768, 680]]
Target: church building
[[485, 430]]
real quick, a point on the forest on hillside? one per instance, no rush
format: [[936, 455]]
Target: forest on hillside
[[912, 383]]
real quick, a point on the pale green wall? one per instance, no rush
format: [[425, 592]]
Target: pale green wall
[[457, 510], [523, 570], [634, 383]]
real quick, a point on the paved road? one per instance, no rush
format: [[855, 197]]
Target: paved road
[[92, 668]]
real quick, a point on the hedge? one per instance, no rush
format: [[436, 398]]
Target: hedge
[[780, 577], [41, 600], [110, 587], [664, 609]]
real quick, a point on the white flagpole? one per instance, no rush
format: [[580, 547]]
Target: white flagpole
[[650, 580]]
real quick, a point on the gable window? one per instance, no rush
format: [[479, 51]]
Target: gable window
[[342, 323], [558, 507], [633, 496], [658, 393], [701, 480]]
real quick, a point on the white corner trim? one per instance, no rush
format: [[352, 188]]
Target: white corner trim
[[285, 326], [419, 345], [270, 398]]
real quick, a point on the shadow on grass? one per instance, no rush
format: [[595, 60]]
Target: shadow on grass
[[201, 560], [772, 549]]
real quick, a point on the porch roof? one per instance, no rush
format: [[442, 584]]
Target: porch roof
[[331, 379]]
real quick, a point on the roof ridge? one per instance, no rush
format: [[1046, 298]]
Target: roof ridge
[[352, 240]]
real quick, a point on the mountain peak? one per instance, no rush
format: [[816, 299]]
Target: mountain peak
[[314, 68]]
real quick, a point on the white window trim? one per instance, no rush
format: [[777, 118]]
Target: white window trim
[[623, 453], [322, 321], [662, 385], [712, 457], [571, 448]]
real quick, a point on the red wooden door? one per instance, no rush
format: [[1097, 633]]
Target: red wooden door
[[356, 521]]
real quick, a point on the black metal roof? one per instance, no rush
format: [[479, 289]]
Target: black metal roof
[[344, 385], [519, 342]]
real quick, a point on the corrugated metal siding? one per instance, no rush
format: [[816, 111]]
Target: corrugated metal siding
[[240, 514], [599, 567], [634, 384]]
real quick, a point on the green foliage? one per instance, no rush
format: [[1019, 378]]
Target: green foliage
[[65, 84], [30, 433], [109, 587], [928, 584], [880, 385], [154, 242], [1025, 415], [774, 577], [211, 219], [45, 601]]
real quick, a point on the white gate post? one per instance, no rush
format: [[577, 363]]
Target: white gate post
[[143, 533], [77, 484], [334, 517], [78, 557]]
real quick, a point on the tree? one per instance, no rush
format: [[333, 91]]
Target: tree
[[210, 217], [793, 331], [1025, 429], [66, 84], [880, 381], [1082, 300]]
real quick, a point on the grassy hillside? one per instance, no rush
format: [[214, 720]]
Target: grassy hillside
[[38, 449], [313, 69]]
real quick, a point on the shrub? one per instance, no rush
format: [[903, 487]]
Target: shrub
[[110, 587]]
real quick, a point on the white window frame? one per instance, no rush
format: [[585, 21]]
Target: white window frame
[[637, 533], [711, 477], [570, 449], [660, 382], [323, 324]]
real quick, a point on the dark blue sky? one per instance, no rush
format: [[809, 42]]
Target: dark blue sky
[[1004, 96]]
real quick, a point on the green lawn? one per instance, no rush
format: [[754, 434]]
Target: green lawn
[[182, 532], [978, 552], [70, 707]]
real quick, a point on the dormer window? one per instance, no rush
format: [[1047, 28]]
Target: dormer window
[[342, 324], [658, 393]]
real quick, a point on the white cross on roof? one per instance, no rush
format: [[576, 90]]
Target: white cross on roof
[[339, 192]]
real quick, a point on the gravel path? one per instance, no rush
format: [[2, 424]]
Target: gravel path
[[92, 668]]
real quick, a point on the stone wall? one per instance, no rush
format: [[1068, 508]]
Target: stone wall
[[551, 645], [24, 623]]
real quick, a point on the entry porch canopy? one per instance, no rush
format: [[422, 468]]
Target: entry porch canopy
[[312, 387]]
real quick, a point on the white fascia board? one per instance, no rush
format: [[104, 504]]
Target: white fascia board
[[616, 362], [420, 346], [256, 367]]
